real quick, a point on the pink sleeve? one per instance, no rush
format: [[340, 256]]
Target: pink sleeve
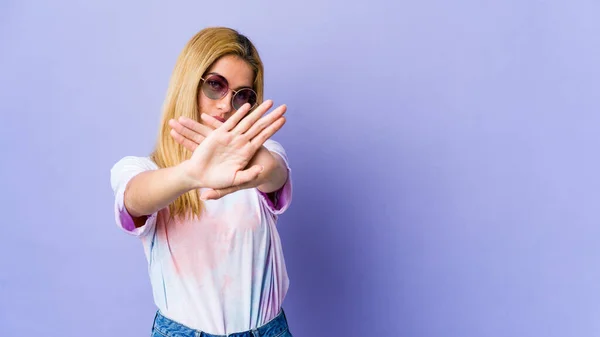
[[121, 173], [282, 197]]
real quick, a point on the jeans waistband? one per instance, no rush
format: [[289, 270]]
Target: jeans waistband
[[169, 328]]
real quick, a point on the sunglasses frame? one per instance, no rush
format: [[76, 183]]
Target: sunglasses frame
[[235, 92]]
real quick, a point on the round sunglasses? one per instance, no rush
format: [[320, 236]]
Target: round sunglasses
[[216, 87]]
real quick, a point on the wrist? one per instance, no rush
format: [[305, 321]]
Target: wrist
[[188, 175]]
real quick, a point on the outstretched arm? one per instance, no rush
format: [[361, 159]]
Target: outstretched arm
[[223, 161]]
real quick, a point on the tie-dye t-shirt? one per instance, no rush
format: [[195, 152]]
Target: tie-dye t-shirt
[[222, 273]]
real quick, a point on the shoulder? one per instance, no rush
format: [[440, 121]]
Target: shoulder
[[276, 147], [273, 145], [133, 161], [128, 166], [126, 161]]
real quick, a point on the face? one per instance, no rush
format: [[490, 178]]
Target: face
[[238, 75]]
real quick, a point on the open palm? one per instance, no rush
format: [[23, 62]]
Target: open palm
[[220, 159]]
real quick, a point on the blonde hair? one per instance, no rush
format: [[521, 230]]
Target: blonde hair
[[198, 55]]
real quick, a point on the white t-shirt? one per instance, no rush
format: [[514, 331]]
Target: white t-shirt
[[222, 273]]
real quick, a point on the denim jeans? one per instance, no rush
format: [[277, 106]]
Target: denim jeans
[[165, 327]]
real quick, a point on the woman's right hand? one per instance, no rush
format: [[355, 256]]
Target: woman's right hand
[[221, 156]]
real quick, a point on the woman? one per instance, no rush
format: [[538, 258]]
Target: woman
[[205, 202]]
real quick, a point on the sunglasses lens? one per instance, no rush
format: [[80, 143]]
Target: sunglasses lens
[[244, 96], [215, 87]]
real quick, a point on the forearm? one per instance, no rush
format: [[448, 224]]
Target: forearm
[[275, 171], [153, 190]]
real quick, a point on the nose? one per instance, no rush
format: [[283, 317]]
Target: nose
[[224, 104]]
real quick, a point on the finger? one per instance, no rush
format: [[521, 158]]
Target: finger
[[217, 194], [188, 144], [210, 195], [251, 119], [195, 126], [211, 121], [186, 132], [266, 121], [247, 177], [268, 132], [236, 117]]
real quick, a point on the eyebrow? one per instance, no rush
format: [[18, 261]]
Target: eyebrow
[[236, 89]]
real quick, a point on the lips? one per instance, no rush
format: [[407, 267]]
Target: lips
[[220, 119]]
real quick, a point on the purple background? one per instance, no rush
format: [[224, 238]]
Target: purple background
[[445, 158]]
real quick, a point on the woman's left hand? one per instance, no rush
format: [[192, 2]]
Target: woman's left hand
[[186, 132]]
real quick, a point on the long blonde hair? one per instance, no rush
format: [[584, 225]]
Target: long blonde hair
[[198, 55]]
